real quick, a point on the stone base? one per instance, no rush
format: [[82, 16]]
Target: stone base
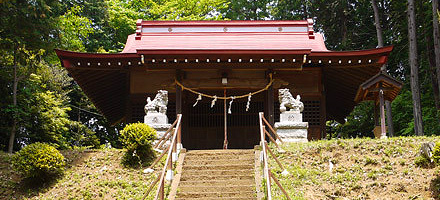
[[291, 116], [159, 122], [155, 118], [160, 129], [292, 131]]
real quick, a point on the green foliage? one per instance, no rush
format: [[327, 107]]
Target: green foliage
[[74, 29], [137, 138], [38, 160], [359, 123], [48, 114], [436, 154], [370, 161], [422, 161], [82, 136], [188, 10], [247, 10], [28, 23]]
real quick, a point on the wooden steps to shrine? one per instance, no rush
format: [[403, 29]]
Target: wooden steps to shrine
[[218, 174]]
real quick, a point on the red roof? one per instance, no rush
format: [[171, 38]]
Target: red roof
[[225, 41], [224, 35]]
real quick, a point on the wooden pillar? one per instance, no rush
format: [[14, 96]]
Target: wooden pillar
[[179, 107], [178, 94], [270, 106], [382, 114], [128, 106], [225, 142], [270, 115], [323, 118], [322, 107]]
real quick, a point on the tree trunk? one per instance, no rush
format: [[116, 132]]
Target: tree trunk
[[377, 23], [14, 102], [380, 43], [436, 35], [432, 69], [415, 88]]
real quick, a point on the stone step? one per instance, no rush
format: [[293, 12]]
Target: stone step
[[218, 162], [217, 183], [221, 152], [220, 157], [211, 177], [223, 195], [201, 168], [202, 189], [219, 172], [219, 198]]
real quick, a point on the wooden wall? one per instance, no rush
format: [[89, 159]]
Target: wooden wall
[[307, 83]]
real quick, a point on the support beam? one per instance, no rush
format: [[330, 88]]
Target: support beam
[[179, 108], [269, 97], [382, 115], [270, 106], [178, 93]]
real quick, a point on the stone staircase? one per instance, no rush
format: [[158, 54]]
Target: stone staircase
[[218, 174]]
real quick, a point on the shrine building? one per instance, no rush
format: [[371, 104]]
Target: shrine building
[[225, 59]]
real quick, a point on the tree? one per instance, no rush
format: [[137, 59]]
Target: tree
[[436, 37], [414, 66], [380, 44], [74, 29], [247, 10], [26, 26]]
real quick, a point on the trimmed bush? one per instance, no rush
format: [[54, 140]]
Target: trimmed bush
[[137, 138], [38, 160]]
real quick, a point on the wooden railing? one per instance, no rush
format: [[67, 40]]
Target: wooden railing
[[267, 173], [172, 151]]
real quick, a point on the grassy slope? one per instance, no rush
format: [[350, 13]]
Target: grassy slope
[[363, 169], [91, 175]]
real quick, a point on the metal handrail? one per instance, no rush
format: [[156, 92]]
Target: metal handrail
[[168, 167], [266, 170]]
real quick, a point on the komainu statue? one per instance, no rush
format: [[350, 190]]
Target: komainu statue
[[158, 104], [287, 101]]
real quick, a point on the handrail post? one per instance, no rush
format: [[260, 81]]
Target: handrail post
[[167, 171], [162, 190], [169, 175], [179, 138], [266, 167], [174, 156]]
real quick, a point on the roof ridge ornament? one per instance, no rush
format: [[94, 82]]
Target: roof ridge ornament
[[138, 29], [310, 28]]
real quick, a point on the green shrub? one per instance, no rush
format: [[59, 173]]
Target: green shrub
[[38, 160], [137, 138], [436, 154], [422, 161], [370, 161]]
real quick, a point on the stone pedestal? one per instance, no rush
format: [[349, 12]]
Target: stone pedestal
[[157, 121], [291, 128]]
